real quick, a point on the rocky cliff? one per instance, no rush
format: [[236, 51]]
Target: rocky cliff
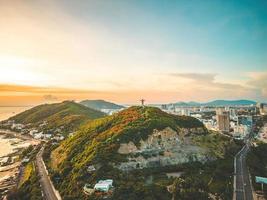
[[162, 148]]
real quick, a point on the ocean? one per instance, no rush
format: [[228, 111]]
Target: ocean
[[6, 146], [6, 112]]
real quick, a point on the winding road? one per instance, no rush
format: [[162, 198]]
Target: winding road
[[47, 186]]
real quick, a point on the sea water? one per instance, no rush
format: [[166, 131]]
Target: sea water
[[6, 112]]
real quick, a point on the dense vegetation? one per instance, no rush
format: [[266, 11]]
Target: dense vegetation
[[198, 180], [67, 115], [218, 143], [100, 104], [257, 163], [29, 187], [98, 141]]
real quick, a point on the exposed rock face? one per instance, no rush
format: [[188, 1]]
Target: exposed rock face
[[162, 148], [127, 148]]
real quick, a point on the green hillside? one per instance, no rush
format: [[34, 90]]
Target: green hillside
[[100, 104], [97, 143], [101, 137], [68, 115]]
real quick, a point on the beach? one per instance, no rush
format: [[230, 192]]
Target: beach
[[11, 146]]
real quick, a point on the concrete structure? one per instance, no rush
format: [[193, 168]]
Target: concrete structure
[[262, 108], [233, 113], [25, 160], [104, 185], [33, 132], [210, 124], [245, 120], [142, 102], [185, 112], [223, 121], [91, 168], [241, 130], [164, 107], [4, 161], [17, 126]]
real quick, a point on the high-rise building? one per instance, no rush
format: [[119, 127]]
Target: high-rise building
[[164, 107], [262, 108], [223, 121], [246, 120], [185, 112], [233, 114], [241, 130]]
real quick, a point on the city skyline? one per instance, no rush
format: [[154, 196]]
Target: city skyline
[[124, 50]]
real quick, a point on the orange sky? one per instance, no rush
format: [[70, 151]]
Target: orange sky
[[27, 95], [52, 51], [17, 95]]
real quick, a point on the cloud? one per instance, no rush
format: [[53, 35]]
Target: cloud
[[50, 97], [207, 85], [258, 80], [195, 76], [169, 87], [207, 80], [6, 88]]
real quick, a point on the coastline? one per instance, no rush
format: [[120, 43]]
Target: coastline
[[9, 111], [17, 135], [11, 162]]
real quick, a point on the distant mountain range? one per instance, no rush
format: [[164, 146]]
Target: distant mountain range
[[217, 103], [100, 104]]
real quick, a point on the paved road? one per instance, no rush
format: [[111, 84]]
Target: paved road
[[242, 181], [46, 185]]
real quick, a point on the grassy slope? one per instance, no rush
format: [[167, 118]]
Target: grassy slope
[[100, 138], [215, 141], [68, 114], [216, 176]]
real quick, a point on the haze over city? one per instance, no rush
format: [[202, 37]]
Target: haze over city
[[163, 51]]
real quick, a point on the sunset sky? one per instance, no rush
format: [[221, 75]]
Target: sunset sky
[[124, 50]]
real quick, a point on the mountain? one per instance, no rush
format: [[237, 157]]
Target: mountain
[[190, 103], [127, 147], [193, 103], [181, 103], [67, 115], [217, 103], [230, 103], [100, 104]]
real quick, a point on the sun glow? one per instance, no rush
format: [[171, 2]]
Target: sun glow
[[15, 70]]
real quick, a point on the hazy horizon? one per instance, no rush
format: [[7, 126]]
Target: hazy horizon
[[137, 102], [122, 50]]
